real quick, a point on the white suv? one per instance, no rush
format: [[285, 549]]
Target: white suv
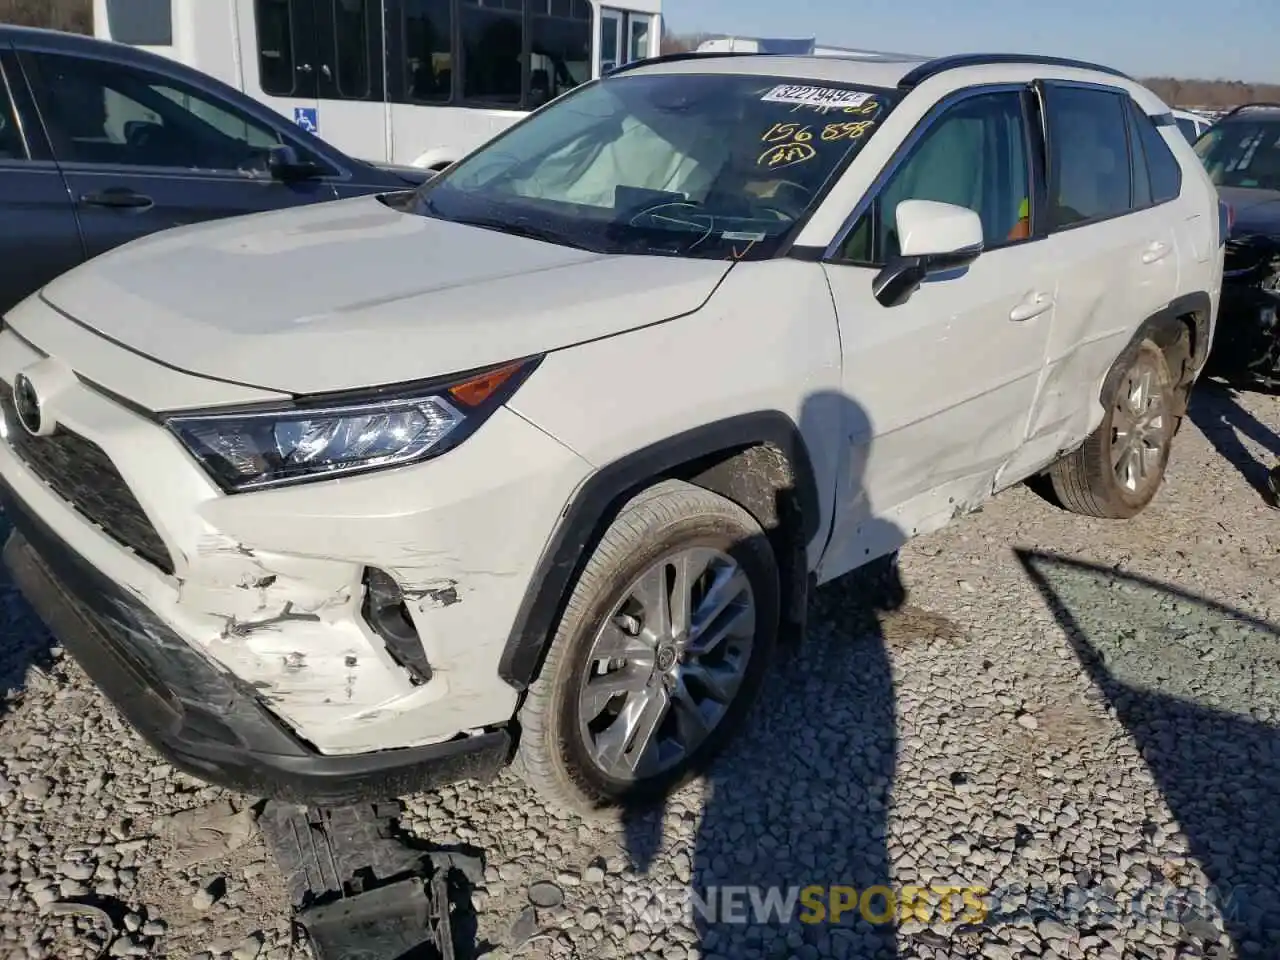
[[538, 462]]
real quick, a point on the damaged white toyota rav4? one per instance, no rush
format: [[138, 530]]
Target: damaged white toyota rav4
[[536, 464]]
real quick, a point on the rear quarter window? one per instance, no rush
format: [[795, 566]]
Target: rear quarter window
[[1162, 166]]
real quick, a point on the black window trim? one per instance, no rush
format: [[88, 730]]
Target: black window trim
[[338, 171], [1047, 85], [831, 255]]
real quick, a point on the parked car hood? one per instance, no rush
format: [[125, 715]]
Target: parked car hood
[[1256, 211], [352, 293]]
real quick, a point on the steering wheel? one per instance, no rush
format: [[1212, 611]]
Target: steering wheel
[[686, 214], [789, 211]]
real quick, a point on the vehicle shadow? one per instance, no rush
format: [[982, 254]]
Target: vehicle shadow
[[1218, 413], [25, 643], [800, 799], [1197, 686]]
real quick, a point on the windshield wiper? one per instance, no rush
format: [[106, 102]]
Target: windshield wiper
[[520, 228]]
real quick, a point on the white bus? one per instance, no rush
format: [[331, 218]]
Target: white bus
[[417, 82]]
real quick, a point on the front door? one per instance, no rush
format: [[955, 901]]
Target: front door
[[142, 151], [940, 388], [39, 237]]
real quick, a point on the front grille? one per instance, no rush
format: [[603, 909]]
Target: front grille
[[81, 473]]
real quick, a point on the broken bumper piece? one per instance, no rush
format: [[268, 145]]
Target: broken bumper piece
[[204, 720]]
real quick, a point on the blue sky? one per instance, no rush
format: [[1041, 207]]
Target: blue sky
[[1208, 39]]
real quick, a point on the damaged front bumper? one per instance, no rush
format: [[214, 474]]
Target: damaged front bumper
[[1246, 347], [362, 620], [200, 719]]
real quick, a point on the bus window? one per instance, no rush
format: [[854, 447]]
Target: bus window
[[561, 48], [351, 49], [141, 23], [428, 50], [492, 45], [638, 48], [275, 48]]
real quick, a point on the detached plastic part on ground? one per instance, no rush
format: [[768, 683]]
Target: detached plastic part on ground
[[363, 889]]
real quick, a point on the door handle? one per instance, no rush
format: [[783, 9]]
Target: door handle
[[1155, 252], [1033, 306], [119, 198]]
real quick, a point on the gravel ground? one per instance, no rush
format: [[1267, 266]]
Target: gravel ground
[[1077, 716]]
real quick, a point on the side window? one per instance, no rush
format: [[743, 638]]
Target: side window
[[1165, 172], [1089, 177], [974, 155], [428, 50], [104, 113], [560, 44], [277, 70], [492, 47], [1188, 128], [351, 74]]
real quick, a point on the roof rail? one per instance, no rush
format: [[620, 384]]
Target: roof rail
[[677, 57], [1245, 106], [939, 65]]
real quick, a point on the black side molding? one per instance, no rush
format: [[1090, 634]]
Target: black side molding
[[942, 64], [604, 494]]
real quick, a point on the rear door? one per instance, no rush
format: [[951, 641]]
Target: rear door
[[1116, 246], [143, 151], [39, 238]]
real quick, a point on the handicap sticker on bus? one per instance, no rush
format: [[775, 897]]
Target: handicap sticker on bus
[[307, 118]]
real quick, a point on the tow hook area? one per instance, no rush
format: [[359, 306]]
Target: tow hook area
[[361, 888]]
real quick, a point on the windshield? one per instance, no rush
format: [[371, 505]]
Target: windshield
[[1243, 153], [712, 166]]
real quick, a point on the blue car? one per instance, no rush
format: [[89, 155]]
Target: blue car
[[101, 143]]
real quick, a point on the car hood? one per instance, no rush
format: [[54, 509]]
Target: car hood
[[1256, 211], [352, 293]]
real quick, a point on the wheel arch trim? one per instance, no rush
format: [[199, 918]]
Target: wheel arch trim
[[598, 499]]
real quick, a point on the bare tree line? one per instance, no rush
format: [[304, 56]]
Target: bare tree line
[[73, 15], [77, 16]]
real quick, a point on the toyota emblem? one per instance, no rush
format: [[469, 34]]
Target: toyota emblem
[[26, 403]]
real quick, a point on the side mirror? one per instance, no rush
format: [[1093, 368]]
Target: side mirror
[[285, 164], [934, 238]]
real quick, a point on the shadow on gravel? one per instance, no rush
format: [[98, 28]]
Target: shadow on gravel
[[1220, 417], [791, 857], [1197, 685], [24, 640]]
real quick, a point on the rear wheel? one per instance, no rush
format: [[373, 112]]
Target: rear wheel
[[659, 654], [1119, 468]]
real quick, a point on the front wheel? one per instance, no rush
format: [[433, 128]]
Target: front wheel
[[1119, 468], [659, 654]]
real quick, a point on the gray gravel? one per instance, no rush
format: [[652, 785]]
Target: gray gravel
[[1079, 715]]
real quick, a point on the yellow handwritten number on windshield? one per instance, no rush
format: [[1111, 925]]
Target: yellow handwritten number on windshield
[[787, 131], [846, 131], [786, 155]]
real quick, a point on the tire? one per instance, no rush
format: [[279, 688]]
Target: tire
[[1085, 481], [669, 519]]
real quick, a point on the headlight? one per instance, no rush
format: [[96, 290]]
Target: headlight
[[257, 448]]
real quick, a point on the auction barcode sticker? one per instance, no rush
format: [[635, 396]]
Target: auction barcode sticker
[[829, 97]]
